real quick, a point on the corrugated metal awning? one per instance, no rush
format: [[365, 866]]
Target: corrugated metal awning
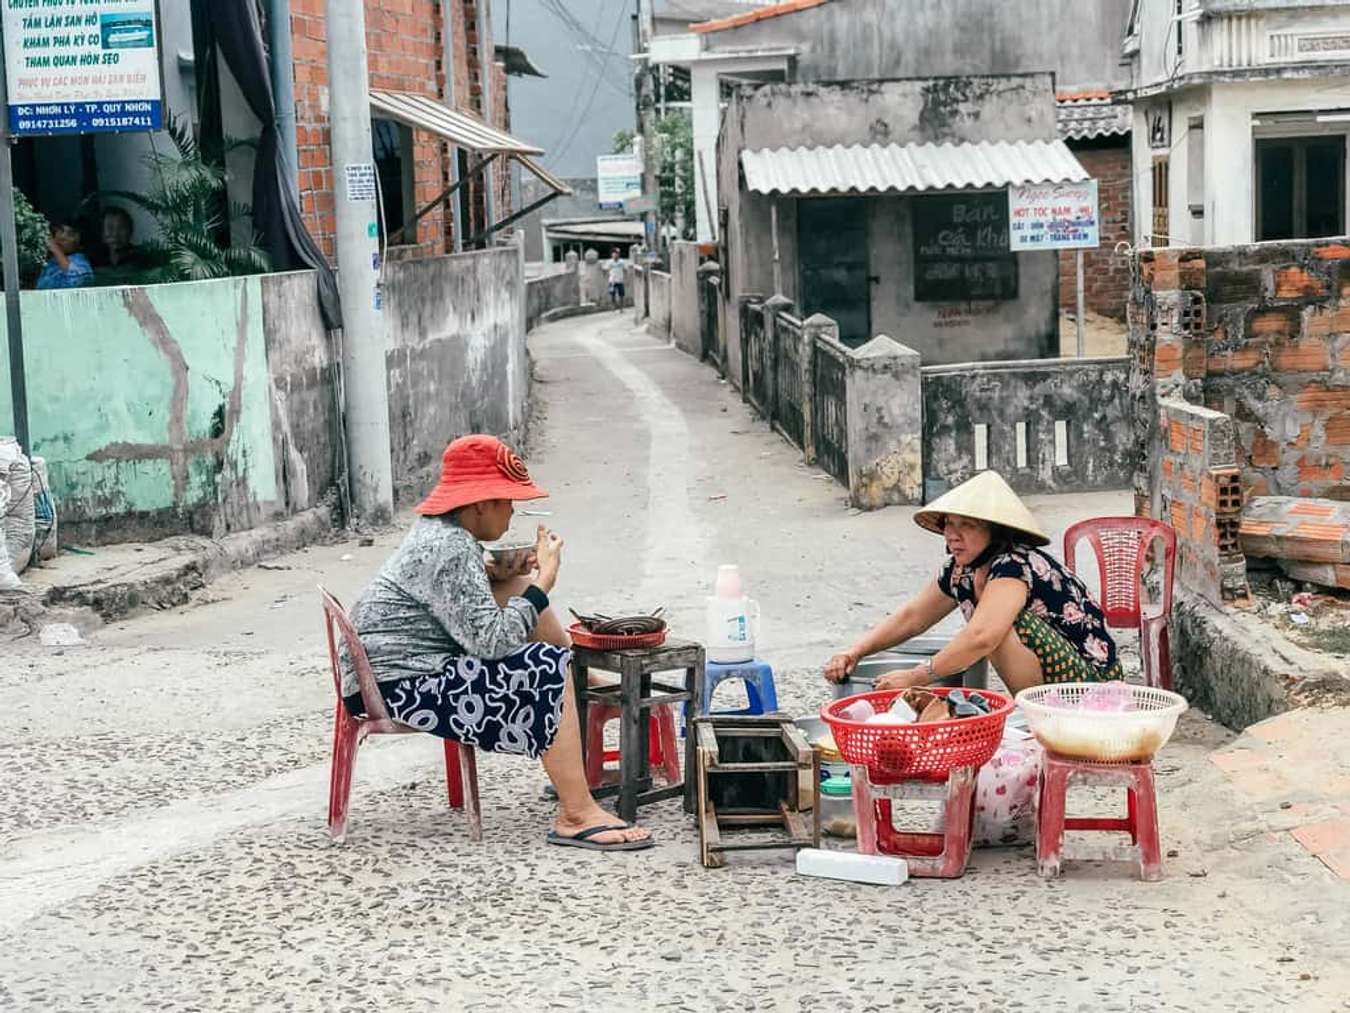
[[909, 168], [1091, 115], [461, 128]]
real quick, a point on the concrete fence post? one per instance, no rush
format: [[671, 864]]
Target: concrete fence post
[[885, 424], [773, 306], [815, 328]]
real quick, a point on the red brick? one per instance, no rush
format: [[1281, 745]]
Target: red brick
[[1319, 397], [1167, 357], [1302, 357], [1320, 470], [1240, 361], [1278, 322], [1338, 430], [1193, 362], [1333, 251], [1296, 283], [1265, 452]]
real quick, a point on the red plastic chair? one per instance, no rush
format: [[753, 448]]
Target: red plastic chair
[[461, 766], [663, 751], [1122, 545]]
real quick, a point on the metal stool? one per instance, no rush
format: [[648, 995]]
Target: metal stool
[[1140, 822], [635, 693]]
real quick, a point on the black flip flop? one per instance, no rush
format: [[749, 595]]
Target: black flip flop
[[583, 840]]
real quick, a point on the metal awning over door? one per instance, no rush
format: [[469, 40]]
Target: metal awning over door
[[908, 168], [464, 130]]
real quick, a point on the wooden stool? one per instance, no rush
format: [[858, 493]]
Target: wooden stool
[[634, 696], [754, 772], [1140, 822], [942, 856]]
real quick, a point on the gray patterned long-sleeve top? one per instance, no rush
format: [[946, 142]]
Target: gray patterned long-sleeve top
[[431, 601]]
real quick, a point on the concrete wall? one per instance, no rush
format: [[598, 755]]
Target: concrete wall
[[658, 304], [685, 328], [551, 288], [151, 406], [930, 38], [863, 112], [456, 357], [301, 354], [1088, 396]]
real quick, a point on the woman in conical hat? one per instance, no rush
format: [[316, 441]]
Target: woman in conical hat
[[1032, 618]]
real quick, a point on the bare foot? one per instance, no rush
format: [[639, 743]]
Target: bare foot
[[571, 824]]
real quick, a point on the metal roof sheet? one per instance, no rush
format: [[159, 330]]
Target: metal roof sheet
[[464, 129], [547, 178], [891, 168]]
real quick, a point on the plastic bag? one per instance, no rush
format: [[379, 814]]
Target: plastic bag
[[44, 513], [1005, 794], [17, 518], [9, 580]]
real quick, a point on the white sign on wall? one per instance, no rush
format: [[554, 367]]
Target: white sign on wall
[[617, 178], [1053, 216], [82, 66]]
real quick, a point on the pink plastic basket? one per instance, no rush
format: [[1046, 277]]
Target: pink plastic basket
[[926, 751]]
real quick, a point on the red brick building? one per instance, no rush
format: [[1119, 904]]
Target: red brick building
[[1097, 131], [406, 52]]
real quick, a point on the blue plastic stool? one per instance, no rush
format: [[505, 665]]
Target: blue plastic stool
[[759, 688]]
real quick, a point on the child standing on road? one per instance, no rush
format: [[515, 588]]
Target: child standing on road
[[616, 267]]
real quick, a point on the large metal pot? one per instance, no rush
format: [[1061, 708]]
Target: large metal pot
[[909, 655]]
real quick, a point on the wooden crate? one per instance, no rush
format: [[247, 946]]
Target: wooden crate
[[754, 771]]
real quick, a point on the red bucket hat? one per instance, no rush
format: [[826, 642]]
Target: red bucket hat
[[476, 468]]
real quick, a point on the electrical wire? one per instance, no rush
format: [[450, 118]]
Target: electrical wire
[[561, 148]]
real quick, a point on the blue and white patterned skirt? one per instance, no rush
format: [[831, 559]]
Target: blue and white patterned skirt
[[504, 705]]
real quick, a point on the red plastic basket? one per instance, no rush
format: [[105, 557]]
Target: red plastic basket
[[920, 751], [583, 637]]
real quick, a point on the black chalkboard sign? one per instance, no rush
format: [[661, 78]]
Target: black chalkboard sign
[[961, 248]]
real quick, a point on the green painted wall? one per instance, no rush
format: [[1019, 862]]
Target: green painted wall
[[146, 400]]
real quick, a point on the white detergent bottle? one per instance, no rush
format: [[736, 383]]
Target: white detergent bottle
[[733, 620]]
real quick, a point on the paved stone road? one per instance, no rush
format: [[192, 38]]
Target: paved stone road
[[162, 791]]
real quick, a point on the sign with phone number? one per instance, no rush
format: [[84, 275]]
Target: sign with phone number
[[82, 66]]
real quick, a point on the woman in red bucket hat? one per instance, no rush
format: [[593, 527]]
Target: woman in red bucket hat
[[476, 657]]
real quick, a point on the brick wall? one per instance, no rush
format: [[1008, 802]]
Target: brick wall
[[404, 53], [1106, 274], [1260, 335]]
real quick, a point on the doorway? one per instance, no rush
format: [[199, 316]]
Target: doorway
[[833, 265]]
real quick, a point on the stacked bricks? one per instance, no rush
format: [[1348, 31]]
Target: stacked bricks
[[405, 52], [1200, 495], [1309, 538], [1106, 274], [1261, 335], [1278, 361]]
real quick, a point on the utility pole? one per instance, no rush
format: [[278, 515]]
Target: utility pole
[[358, 251], [651, 189], [486, 61], [9, 239]]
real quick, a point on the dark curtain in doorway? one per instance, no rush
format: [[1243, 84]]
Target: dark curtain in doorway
[[276, 211]]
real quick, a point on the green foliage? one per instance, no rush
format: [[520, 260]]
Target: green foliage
[[187, 198], [623, 142], [33, 230], [675, 175]]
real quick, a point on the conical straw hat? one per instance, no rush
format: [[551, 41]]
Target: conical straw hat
[[986, 497]]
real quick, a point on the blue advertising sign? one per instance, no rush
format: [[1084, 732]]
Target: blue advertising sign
[[82, 66]]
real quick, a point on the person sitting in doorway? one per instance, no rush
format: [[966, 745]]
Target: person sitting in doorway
[[478, 655], [120, 255], [1033, 619], [615, 268], [67, 267]]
